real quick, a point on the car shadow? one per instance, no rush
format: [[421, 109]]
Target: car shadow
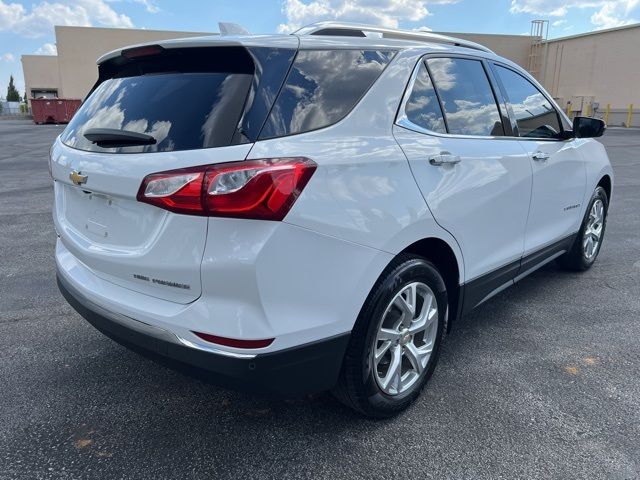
[[112, 404]]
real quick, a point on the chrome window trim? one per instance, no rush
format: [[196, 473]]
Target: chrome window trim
[[403, 121], [401, 118]]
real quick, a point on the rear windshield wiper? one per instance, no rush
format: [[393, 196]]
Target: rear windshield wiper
[[112, 138]]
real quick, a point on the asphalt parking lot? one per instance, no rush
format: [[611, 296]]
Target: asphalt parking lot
[[541, 382]]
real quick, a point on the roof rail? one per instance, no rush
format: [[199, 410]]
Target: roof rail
[[363, 30]]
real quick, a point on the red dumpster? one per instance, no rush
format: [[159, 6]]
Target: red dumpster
[[53, 110]]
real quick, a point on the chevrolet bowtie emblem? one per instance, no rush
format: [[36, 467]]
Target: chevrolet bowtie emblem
[[77, 178]]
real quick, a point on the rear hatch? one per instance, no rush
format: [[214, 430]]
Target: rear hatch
[[155, 109]]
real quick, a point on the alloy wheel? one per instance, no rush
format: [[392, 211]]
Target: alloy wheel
[[593, 230], [405, 338]]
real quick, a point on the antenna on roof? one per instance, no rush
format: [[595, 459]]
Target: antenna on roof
[[361, 30], [227, 28]]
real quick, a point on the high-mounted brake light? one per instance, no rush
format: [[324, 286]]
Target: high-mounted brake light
[[145, 51], [263, 189]]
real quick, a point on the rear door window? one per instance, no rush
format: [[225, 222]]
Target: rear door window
[[322, 87], [423, 108], [534, 114], [466, 95], [190, 99]]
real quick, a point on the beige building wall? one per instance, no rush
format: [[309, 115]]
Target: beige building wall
[[514, 47], [604, 65], [40, 73], [601, 66], [80, 47]]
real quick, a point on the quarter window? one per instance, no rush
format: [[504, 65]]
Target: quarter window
[[322, 88], [422, 107], [534, 114], [466, 95]]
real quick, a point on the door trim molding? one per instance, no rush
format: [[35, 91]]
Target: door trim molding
[[482, 288]]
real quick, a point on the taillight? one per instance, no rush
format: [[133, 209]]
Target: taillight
[[179, 190], [260, 189]]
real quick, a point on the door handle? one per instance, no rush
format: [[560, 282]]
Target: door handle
[[540, 156], [444, 158]]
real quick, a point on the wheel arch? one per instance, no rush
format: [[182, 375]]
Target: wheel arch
[[605, 182], [443, 256]]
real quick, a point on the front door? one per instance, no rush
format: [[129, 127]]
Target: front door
[[559, 176]]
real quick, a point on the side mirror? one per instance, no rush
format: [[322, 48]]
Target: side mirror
[[586, 127]]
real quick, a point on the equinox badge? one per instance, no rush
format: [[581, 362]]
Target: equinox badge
[[77, 178]]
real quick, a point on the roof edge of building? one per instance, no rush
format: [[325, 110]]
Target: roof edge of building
[[39, 55], [594, 32], [454, 34], [74, 27]]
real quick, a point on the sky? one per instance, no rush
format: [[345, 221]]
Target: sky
[[26, 27]]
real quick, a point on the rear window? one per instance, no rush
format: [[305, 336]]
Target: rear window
[[322, 87], [190, 99]]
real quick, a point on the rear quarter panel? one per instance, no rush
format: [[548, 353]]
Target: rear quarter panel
[[362, 198], [363, 190]]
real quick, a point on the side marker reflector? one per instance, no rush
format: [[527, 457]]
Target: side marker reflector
[[234, 342]]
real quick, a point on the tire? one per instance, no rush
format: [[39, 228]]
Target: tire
[[580, 257], [360, 385]]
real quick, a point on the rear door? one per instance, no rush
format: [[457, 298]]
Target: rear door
[[200, 106], [476, 181], [559, 175]]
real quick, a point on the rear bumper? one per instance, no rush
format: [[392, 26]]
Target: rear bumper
[[308, 368]]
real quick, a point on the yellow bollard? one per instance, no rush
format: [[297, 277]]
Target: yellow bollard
[[587, 110], [606, 114], [569, 110], [630, 115]]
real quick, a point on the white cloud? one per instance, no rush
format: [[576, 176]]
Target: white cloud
[[102, 13], [47, 49], [149, 5], [378, 12], [608, 13], [39, 20], [10, 14], [553, 8], [614, 14], [8, 57], [558, 23]]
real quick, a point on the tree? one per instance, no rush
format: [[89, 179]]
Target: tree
[[12, 91]]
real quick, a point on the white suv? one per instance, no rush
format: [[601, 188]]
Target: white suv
[[305, 212]]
